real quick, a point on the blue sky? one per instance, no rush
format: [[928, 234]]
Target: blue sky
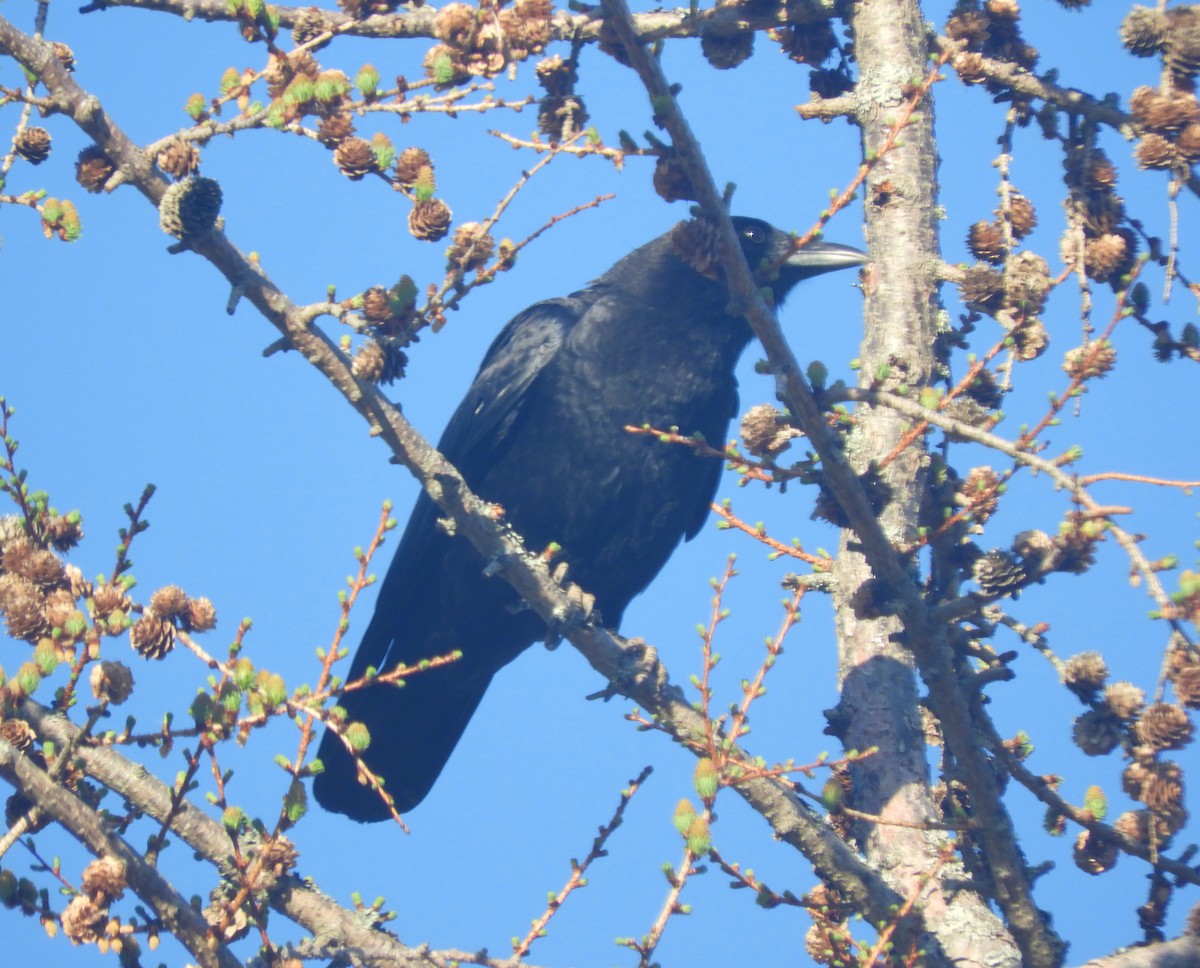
[[125, 369]]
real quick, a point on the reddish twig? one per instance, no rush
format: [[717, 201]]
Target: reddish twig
[[577, 880], [759, 533]]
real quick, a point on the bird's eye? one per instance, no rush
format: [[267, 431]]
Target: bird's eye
[[754, 234]]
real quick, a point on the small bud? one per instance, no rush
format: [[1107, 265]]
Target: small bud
[[685, 813], [707, 779], [1095, 802], [699, 838], [358, 737], [367, 81], [196, 107]]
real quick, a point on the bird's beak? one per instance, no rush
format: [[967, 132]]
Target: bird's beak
[[818, 257]]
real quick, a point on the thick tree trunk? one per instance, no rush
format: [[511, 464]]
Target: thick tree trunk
[[878, 706]]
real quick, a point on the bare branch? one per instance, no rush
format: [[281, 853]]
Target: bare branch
[[181, 919]]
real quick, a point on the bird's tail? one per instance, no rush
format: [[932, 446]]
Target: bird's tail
[[413, 731]]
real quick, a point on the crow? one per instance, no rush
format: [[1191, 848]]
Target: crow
[[541, 433]]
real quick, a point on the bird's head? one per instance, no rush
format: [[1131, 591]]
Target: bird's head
[[681, 269], [774, 257]]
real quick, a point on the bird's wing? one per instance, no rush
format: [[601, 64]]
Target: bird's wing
[[481, 424], [711, 476], [472, 441]]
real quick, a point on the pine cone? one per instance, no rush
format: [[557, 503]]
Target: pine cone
[[526, 27], [1155, 152], [967, 412], [1090, 362], [999, 573], [1164, 726], [201, 615], [1164, 112], [17, 732], [104, 879], [335, 129], [1143, 31], [33, 145], [64, 531], [308, 25], [970, 26], [1085, 674], [472, 247], [1137, 825], [671, 181], [986, 242], [152, 637], [1162, 788], [806, 43], [169, 601], [410, 164], [111, 682], [1094, 853], [1192, 924], [355, 158], [1187, 143], [1027, 283], [107, 599], [83, 920], [765, 431], [279, 856], [1030, 339], [368, 362], [985, 391], [1101, 213], [395, 360], [561, 116], [970, 67], [1124, 700], [982, 287], [377, 307], [1101, 176], [979, 492], [58, 611], [22, 557], [1181, 48], [1076, 543], [1187, 686], [555, 75], [179, 159], [429, 220], [1109, 256], [1024, 217], [723, 50], [454, 24], [1096, 732], [829, 83], [190, 208], [93, 169]]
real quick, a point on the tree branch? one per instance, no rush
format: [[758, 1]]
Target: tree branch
[[420, 21], [180, 918], [791, 820], [330, 923]]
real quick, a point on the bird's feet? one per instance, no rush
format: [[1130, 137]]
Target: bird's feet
[[638, 666], [576, 611]]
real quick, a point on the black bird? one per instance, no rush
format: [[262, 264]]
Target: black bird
[[541, 433]]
